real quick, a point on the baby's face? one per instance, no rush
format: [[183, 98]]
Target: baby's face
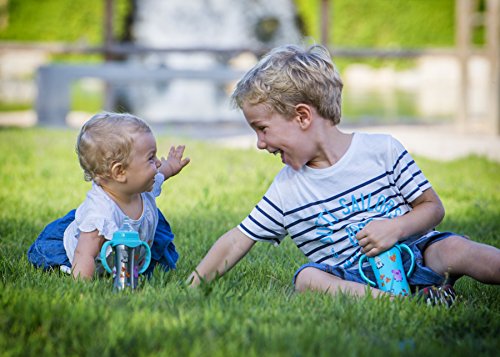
[[143, 165]]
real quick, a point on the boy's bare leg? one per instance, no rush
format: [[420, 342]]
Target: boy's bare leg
[[314, 279], [459, 256]]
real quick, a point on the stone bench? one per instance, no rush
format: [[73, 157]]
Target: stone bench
[[54, 83]]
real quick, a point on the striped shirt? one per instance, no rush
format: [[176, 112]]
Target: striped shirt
[[323, 209]]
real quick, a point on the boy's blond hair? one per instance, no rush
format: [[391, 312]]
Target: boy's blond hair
[[290, 75], [106, 139]]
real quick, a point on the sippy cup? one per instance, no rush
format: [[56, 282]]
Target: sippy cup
[[388, 270], [125, 244]]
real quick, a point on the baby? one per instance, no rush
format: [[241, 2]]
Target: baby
[[117, 153]]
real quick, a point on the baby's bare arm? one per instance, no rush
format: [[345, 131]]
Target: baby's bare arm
[[174, 162], [224, 254], [380, 235], [89, 245]]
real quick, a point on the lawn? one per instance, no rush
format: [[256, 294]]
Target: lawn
[[253, 310]]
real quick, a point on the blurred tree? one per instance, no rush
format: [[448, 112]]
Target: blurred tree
[[60, 20], [383, 23]]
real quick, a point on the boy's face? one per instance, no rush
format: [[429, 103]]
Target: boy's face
[[279, 135], [143, 164]]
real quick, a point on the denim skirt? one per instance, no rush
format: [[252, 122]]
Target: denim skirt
[[47, 251]]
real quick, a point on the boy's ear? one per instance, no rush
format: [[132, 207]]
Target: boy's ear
[[304, 115], [118, 172]]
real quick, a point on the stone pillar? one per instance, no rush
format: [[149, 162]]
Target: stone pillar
[[53, 101]]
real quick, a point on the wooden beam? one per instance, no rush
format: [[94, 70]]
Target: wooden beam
[[4, 14], [493, 50], [109, 39], [463, 38], [109, 36], [325, 22]]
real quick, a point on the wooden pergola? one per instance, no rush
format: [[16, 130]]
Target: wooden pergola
[[468, 17]]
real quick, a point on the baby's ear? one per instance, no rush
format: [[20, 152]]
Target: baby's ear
[[118, 172]]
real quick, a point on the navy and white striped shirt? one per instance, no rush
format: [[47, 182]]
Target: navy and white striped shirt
[[323, 209]]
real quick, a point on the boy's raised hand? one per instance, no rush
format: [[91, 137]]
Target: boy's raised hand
[[174, 162]]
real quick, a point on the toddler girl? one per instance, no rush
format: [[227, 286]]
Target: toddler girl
[[117, 153]]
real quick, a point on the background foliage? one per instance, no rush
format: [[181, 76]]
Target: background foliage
[[355, 23], [60, 20], [384, 23]]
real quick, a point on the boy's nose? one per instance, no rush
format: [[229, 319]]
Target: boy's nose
[[261, 144], [157, 162]]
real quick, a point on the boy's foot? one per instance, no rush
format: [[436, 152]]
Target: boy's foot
[[437, 295]]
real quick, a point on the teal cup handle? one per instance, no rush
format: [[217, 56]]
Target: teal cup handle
[[148, 257], [412, 258], [103, 256], [360, 268], [389, 271], [105, 262]]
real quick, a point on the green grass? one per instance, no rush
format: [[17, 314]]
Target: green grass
[[252, 311]]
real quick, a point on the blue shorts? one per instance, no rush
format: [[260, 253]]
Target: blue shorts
[[47, 252], [421, 276]]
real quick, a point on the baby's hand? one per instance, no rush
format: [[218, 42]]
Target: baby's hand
[[174, 162]]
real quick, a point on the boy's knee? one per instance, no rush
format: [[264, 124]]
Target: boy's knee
[[304, 279], [453, 246], [448, 254]]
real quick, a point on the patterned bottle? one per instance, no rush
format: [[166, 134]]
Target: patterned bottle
[[124, 245]]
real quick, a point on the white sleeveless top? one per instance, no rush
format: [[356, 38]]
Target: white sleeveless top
[[99, 212]]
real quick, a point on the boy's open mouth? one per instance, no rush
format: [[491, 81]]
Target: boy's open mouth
[[278, 151]]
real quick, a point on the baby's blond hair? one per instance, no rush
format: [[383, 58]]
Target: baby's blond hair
[[290, 75], [106, 139]]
